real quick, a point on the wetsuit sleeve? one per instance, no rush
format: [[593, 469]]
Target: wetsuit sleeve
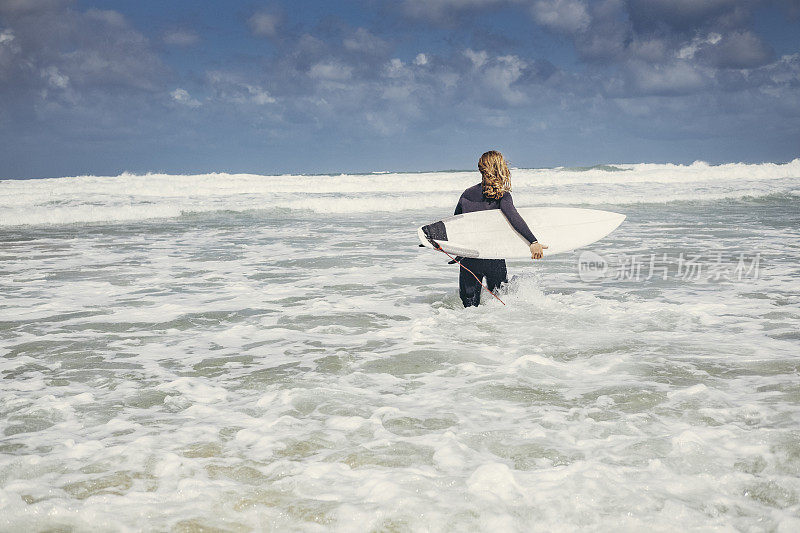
[[513, 216], [459, 209]]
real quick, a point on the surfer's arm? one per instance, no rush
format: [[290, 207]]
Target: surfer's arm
[[513, 216], [459, 209]]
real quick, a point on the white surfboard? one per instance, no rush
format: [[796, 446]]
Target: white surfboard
[[489, 234]]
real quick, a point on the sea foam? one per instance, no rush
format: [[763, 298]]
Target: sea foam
[[251, 360], [130, 197]]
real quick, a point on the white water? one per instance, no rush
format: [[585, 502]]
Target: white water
[[235, 352], [128, 197]]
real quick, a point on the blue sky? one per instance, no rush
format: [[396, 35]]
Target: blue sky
[[102, 87]]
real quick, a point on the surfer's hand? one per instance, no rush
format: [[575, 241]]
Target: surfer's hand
[[537, 250]]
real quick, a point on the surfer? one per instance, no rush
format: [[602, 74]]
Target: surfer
[[493, 192]]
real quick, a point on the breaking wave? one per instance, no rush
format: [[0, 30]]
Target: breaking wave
[[130, 197]]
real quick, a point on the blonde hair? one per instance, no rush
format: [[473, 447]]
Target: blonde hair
[[496, 176]]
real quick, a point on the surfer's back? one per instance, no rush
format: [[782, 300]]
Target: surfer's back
[[473, 199]]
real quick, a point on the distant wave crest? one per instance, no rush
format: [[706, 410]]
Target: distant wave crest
[[130, 197]]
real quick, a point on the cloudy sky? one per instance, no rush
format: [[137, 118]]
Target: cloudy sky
[[105, 86]]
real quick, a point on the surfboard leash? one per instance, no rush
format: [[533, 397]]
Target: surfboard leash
[[437, 247]]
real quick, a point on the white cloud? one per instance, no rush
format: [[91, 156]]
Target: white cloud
[[502, 74], [364, 41], [181, 38], [88, 50], [568, 16], [259, 96], [55, 78], [786, 71], [689, 51], [421, 60], [264, 24], [232, 88], [8, 51], [478, 58], [330, 71], [182, 97], [396, 69]]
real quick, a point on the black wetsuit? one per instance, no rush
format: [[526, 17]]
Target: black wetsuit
[[493, 269]]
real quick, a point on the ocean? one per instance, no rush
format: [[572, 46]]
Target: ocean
[[230, 352]]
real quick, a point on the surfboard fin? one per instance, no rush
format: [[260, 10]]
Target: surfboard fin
[[435, 231]]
